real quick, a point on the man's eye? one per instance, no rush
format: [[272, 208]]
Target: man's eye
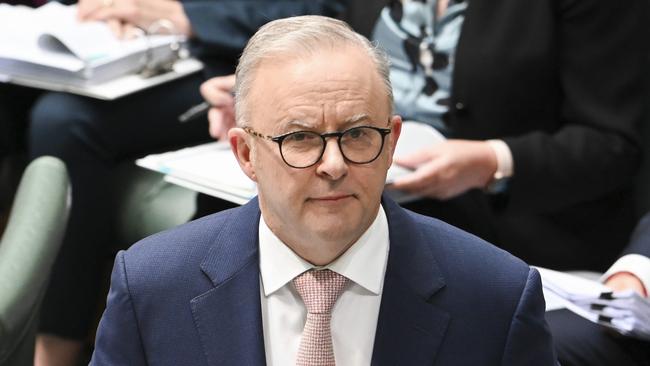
[[356, 133], [301, 136], [298, 136]]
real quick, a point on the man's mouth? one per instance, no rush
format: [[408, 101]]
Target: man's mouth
[[335, 197]]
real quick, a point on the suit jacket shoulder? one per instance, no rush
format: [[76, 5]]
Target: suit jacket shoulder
[[170, 253], [178, 297], [459, 297]]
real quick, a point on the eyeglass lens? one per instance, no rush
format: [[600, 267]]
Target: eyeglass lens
[[358, 145]]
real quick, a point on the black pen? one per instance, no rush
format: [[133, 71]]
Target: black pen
[[199, 110], [194, 112]]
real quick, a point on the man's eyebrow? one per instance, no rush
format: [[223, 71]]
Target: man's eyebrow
[[356, 118], [301, 124], [298, 123]]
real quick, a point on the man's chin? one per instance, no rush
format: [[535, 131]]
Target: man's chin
[[336, 229]]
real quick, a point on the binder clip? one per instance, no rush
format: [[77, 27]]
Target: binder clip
[[153, 65]]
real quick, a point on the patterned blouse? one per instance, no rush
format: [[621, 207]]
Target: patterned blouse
[[421, 47]]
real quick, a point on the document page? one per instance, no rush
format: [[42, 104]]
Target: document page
[[20, 29], [626, 311], [210, 166], [52, 36], [415, 136]]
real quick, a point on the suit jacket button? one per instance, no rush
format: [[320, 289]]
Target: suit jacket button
[[460, 106]]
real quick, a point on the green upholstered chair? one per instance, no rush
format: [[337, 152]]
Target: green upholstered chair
[[148, 204], [28, 248]]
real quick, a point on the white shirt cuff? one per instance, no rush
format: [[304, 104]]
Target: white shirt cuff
[[505, 166], [637, 264]]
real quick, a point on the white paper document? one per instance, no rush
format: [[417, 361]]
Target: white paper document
[[213, 169], [209, 168], [414, 136], [625, 312], [111, 89], [49, 48]]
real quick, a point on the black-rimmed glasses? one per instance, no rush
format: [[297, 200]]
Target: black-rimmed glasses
[[302, 149]]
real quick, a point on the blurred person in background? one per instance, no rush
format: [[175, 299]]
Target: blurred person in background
[[541, 102]]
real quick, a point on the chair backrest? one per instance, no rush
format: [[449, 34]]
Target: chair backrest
[[28, 249]]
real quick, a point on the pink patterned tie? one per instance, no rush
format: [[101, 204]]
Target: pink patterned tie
[[319, 291]]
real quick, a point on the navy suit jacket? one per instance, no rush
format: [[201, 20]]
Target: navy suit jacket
[[191, 296]]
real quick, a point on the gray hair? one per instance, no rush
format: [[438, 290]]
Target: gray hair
[[303, 34]]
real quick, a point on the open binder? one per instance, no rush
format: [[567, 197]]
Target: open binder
[[49, 48]]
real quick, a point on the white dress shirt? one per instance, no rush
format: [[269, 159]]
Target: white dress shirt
[[505, 165], [354, 316], [636, 264]]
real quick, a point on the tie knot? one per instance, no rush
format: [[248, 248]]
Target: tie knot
[[319, 289]]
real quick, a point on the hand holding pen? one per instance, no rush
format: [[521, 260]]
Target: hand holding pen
[[219, 104]]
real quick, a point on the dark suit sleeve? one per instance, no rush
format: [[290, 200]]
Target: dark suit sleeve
[[223, 27], [602, 62], [118, 339], [529, 339], [640, 242]]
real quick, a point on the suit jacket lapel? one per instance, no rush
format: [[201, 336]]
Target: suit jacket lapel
[[228, 317], [409, 329]]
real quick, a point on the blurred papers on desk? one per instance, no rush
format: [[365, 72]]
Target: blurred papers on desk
[[49, 48], [213, 169], [209, 168], [626, 312]]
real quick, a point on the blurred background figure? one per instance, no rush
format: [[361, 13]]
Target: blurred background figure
[[541, 103]]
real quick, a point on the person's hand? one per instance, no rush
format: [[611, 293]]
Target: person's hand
[[621, 281], [123, 30], [448, 169], [140, 13], [218, 92]]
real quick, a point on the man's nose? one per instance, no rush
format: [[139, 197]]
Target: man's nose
[[332, 165]]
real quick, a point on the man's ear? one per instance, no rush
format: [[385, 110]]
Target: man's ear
[[240, 145], [396, 130]]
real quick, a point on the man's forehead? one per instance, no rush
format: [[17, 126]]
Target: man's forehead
[[344, 122], [334, 89], [320, 117], [322, 67]]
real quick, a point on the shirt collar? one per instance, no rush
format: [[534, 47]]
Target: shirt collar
[[364, 263]]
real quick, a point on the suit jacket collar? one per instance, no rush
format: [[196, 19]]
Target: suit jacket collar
[[228, 316], [409, 329]]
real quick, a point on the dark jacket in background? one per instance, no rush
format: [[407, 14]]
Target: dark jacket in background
[[563, 83]]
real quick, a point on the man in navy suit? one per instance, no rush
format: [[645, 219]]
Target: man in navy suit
[[316, 132]]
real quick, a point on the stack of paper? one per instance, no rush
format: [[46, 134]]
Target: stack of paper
[[625, 312], [209, 168], [49, 48], [212, 168]]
